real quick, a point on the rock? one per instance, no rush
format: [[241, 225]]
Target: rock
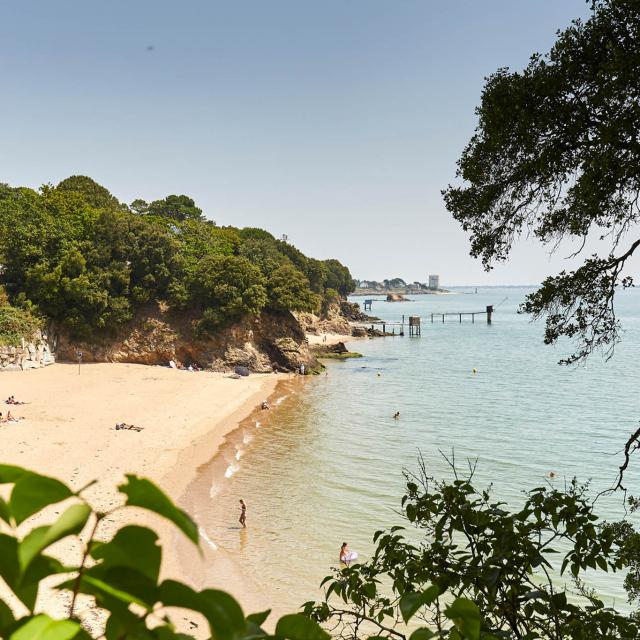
[[242, 371], [395, 297], [358, 332], [339, 347], [272, 341]]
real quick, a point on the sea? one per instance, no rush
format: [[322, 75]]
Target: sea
[[325, 464]]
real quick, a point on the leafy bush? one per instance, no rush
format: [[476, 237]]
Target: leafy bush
[[15, 324], [120, 573], [509, 563], [227, 288]]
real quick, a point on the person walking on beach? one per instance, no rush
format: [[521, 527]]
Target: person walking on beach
[[243, 514]]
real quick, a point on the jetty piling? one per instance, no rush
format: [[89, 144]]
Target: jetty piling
[[488, 312]]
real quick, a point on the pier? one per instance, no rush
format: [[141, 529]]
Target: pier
[[488, 312]]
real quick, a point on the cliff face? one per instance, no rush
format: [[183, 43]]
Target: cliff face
[[332, 321], [271, 341]]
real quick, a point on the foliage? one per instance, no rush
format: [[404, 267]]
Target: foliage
[[288, 289], [94, 194], [555, 155], [89, 263], [339, 278], [175, 208], [228, 288], [119, 572], [511, 564], [16, 323]]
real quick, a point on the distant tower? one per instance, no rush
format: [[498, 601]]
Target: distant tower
[[434, 281], [285, 237]]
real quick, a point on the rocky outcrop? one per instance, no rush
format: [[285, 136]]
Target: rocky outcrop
[[332, 320], [33, 353], [395, 297], [272, 341]]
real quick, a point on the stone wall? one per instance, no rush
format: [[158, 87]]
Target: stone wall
[[31, 354]]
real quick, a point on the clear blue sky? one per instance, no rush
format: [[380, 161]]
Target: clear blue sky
[[336, 122]]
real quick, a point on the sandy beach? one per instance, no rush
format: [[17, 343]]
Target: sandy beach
[[68, 432]]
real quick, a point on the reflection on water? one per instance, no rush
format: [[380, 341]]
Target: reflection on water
[[324, 465]]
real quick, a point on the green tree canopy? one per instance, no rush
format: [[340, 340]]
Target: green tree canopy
[[96, 195], [288, 289], [177, 208], [89, 264], [556, 156], [227, 288]]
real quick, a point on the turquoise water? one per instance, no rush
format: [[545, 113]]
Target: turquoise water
[[325, 466]]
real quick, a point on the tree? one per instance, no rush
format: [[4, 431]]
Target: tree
[[288, 290], [556, 155], [95, 194], [338, 277], [226, 288], [510, 563], [176, 208]]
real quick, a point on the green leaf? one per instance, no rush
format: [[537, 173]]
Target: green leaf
[[6, 617], [71, 522], [411, 602], [143, 493], [95, 586], [5, 514], [10, 473], [26, 587], [42, 627], [32, 492], [9, 566], [466, 616], [298, 627], [259, 618], [223, 613], [134, 547], [422, 634]]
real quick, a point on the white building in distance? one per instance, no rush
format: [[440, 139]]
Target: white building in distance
[[434, 282]]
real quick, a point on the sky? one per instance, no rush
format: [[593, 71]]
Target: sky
[[336, 122]]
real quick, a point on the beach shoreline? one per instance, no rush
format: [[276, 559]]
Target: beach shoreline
[[185, 418]]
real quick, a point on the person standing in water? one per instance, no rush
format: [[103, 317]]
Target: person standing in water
[[344, 553], [243, 514]]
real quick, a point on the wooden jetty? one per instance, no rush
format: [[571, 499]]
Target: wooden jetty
[[367, 305], [488, 312]]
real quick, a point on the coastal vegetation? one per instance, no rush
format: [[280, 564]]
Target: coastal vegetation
[[74, 254], [15, 323], [120, 573], [525, 570], [555, 157]]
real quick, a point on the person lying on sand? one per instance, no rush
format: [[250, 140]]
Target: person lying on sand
[[12, 400], [130, 427], [11, 418]]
